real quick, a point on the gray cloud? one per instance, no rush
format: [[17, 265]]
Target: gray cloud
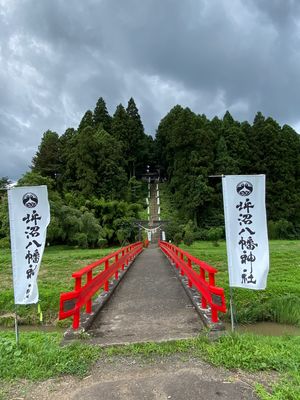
[[57, 58]]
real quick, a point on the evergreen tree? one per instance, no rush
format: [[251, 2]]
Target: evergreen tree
[[136, 138], [87, 121], [101, 116], [47, 159], [67, 143], [83, 161], [224, 163], [119, 127], [97, 161], [112, 180]]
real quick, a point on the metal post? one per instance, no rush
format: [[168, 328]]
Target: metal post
[[231, 310], [16, 326]]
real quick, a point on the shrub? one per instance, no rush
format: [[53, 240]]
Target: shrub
[[81, 240], [188, 238], [214, 235], [173, 228], [102, 243], [177, 238], [189, 233], [281, 229]]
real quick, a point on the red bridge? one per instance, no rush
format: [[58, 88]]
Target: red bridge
[[148, 298]]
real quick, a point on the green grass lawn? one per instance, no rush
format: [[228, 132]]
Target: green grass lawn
[[55, 276], [280, 302]]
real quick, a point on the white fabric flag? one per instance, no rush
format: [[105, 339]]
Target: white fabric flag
[[149, 235], [246, 230], [29, 216]]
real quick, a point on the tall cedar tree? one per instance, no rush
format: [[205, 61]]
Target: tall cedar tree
[[67, 142], [101, 116], [47, 159], [87, 120], [120, 131], [136, 138], [97, 161]]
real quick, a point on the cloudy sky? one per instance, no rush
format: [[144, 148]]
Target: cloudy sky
[[58, 57]]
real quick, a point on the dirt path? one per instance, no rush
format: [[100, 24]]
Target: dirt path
[[160, 378]]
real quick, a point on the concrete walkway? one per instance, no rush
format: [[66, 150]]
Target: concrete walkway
[[148, 305]]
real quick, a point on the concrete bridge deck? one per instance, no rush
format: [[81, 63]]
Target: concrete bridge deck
[[148, 305]]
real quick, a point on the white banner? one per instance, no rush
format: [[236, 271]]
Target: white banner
[[29, 216], [246, 230]]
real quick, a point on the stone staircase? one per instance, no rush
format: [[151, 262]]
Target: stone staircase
[[154, 215]]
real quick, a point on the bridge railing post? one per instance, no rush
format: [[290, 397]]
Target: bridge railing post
[[190, 266], [181, 269], [76, 316], [123, 265], [211, 278], [117, 271], [88, 306], [106, 284], [214, 314], [203, 299]]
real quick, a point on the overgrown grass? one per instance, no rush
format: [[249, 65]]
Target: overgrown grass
[[39, 356], [247, 352], [55, 276], [280, 302], [288, 388]]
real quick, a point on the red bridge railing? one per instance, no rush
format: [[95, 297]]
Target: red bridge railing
[[86, 285], [204, 281]]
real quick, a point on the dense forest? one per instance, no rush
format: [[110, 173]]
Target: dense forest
[[93, 174]]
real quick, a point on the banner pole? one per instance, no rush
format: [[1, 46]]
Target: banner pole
[[231, 310], [16, 325]]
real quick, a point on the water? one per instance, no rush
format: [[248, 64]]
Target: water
[[267, 329], [260, 328]]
